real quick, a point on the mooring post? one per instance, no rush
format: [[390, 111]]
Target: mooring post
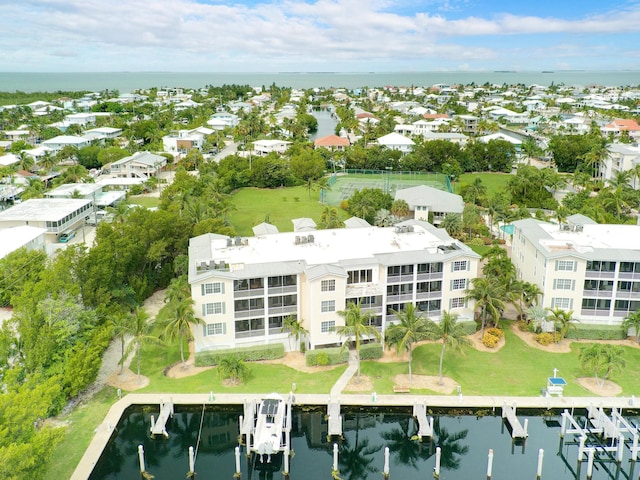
[[237, 452], [581, 447], [335, 457], [634, 446], [153, 422], [211, 397], [526, 426], [192, 461], [489, 464], [620, 448], [539, 469], [374, 397], [590, 464], [385, 469], [141, 458], [436, 470], [286, 460], [563, 428]]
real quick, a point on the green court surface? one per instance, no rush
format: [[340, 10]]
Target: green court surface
[[343, 185]]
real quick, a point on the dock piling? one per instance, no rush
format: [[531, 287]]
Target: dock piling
[[192, 461], [141, 458], [436, 470], [237, 453], [385, 469], [489, 464], [335, 457], [286, 460], [539, 469], [590, 464]]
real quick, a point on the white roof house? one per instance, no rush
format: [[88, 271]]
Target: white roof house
[[140, 164], [53, 214], [395, 141], [58, 143], [265, 147], [244, 288], [423, 200], [11, 239]]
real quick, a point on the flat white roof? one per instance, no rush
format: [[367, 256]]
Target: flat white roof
[[43, 209], [329, 246], [68, 189], [12, 239], [593, 236]]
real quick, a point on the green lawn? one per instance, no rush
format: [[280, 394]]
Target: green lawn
[[495, 182], [81, 424], [147, 202], [276, 206], [516, 369]]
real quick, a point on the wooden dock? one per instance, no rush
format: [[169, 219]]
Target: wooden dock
[[425, 425], [335, 419], [517, 430], [159, 426]]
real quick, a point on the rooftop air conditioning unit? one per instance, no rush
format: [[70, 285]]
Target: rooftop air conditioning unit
[[229, 242], [310, 238], [237, 241], [297, 242]]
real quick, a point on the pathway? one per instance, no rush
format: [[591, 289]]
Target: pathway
[[344, 379]]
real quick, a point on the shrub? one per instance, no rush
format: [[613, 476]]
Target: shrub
[[469, 327], [476, 241], [332, 356], [523, 326], [545, 338], [596, 332], [247, 354], [344, 204], [496, 332], [371, 351], [489, 340]]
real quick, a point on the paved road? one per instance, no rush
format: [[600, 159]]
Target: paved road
[[230, 149]]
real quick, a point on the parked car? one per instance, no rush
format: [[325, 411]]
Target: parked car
[[67, 236]]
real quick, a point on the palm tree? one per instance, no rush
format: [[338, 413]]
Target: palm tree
[[121, 328], [412, 327], [562, 320], [452, 223], [330, 218], [48, 161], [178, 290], [181, 321], [356, 327], [26, 161], [400, 208], [233, 368], [294, 328], [140, 329], [489, 296], [451, 333], [602, 358], [632, 321]]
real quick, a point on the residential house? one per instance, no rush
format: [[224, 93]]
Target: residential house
[[424, 201], [140, 164], [395, 141], [265, 147]]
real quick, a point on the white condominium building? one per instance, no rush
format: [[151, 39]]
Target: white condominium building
[[589, 268], [244, 288]]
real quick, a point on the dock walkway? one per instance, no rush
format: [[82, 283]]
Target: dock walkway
[[509, 413], [159, 426], [425, 425]]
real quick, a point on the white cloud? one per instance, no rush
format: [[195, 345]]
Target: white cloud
[[183, 34]]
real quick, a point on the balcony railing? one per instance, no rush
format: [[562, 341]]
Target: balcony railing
[[250, 333], [405, 297], [428, 295], [250, 313], [285, 309], [258, 292], [597, 293], [408, 278], [287, 289], [430, 276]]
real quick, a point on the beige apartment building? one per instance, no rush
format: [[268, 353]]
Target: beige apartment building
[[589, 268], [244, 288]]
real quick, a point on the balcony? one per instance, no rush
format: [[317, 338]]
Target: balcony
[[593, 275], [285, 289], [405, 297], [428, 295], [400, 279], [287, 309], [258, 292], [250, 333], [590, 312], [597, 293], [430, 276], [249, 313]]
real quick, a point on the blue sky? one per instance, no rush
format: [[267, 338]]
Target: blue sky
[[318, 35]]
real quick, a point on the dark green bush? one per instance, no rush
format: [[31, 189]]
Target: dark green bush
[[248, 354], [326, 356], [470, 327], [597, 332], [371, 351]]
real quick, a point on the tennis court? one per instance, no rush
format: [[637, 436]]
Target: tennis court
[[344, 185]]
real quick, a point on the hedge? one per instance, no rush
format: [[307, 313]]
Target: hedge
[[326, 356], [470, 327], [249, 354], [371, 351], [596, 332]]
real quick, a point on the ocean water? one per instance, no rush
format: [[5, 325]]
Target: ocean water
[[128, 81]]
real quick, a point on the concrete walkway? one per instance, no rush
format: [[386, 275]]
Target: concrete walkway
[[344, 379]]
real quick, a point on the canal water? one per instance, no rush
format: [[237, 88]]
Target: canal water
[[465, 441], [326, 124]]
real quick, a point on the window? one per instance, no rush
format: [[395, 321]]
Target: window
[[429, 305], [564, 284], [596, 303], [561, 302], [249, 328], [326, 327], [457, 302], [598, 266], [214, 329], [249, 304], [430, 267], [360, 276], [424, 287], [400, 289], [248, 284], [282, 281], [459, 265], [328, 286], [629, 286], [400, 270], [211, 288], [328, 306], [459, 284], [565, 265], [283, 301], [216, 308]]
